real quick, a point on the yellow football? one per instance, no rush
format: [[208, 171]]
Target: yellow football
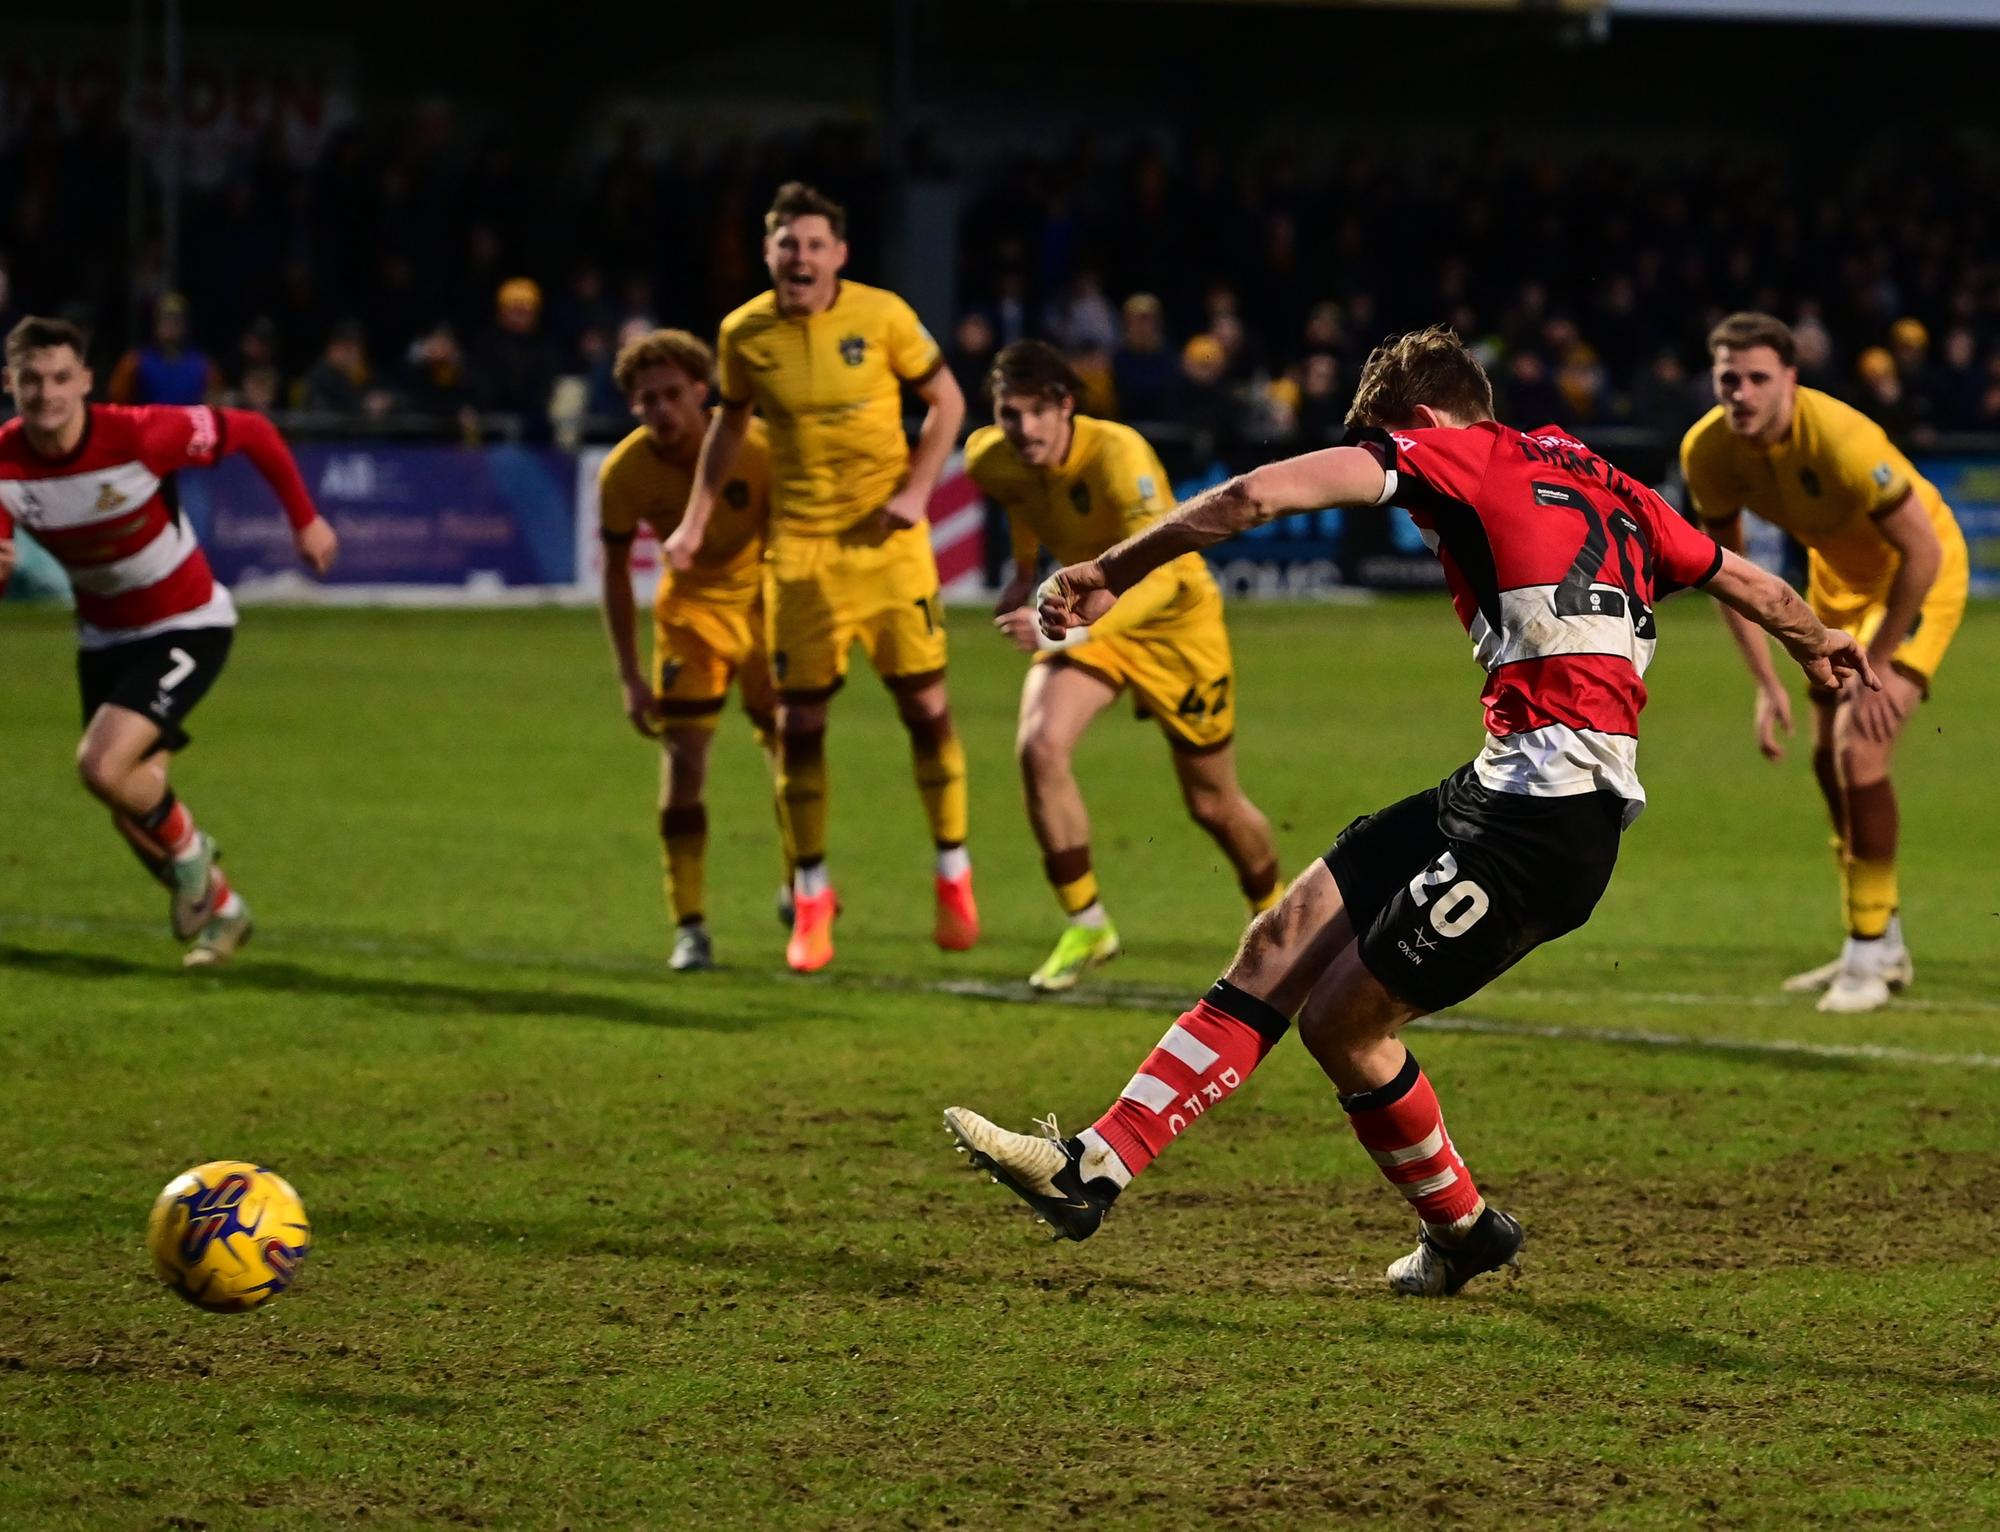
[[228, 1235]]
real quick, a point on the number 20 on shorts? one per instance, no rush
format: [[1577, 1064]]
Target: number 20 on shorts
[[1461, 905]]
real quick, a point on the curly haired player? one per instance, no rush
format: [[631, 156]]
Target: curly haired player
[[1076, 485]]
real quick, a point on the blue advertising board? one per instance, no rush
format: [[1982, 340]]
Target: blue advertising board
[[1971, 487], [437, 518]]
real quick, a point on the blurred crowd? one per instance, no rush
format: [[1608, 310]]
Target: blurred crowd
[[1232, 293], [1245, 298]]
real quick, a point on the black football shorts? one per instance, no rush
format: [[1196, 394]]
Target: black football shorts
[[162, 677], [1453, 886]]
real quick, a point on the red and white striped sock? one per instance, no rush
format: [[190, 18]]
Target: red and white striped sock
[[1204, 1057], [169, 823], [1400, 1126]]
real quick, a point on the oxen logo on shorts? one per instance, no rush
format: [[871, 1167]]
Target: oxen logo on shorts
[[778, 664], [669, 669], [1809, 481], [852, 349], [736, 493]]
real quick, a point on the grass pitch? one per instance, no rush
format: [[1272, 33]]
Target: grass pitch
[[596, 1246]]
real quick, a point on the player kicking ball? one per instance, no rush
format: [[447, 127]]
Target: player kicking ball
[[708, 619], [94, 483], [1076, 485], [1554, 561]]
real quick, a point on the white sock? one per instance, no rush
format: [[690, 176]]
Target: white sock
[[1864, 954], [1894, 935], [1091, 915], [1099, 1159], [232, 906], [810, 882], [953, 862], [1451, 1233]]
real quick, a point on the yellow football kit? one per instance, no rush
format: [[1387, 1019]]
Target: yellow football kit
[[829, 386], [1824, 484], [708, 622], [1165, 639]]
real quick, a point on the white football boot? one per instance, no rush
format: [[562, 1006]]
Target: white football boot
[[218, 941], [194, 888], [1070, 1184], [1897, 969], [1868, 972]]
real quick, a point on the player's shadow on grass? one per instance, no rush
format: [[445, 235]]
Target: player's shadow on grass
[[1584, 1325], [406, 996], [775, 1261]]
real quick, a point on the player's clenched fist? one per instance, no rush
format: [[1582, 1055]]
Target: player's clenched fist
[[1073, 597], [681, 546]]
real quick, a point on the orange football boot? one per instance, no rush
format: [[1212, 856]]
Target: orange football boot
[[811, 946], [957, 913]]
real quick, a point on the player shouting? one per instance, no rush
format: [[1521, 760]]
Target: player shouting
[[708, 620], [825, 361], [1076, 485], [1554, 560], [94, 484], [1887, 563]]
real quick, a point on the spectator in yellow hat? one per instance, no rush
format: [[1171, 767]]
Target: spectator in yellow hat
[[515, 369]]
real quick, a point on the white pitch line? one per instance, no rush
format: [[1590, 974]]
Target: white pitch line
[[1145, 997]]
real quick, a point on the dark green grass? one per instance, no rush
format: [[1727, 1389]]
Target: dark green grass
[[599, 1247]]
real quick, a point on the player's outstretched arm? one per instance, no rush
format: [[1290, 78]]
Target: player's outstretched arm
[[1823, 654], [726, 429], [1335, 476], [249, 433], [9, 557]]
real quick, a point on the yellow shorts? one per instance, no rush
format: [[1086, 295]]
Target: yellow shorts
[[823, 594], [699, 646], [1179, 669], [1860, 612]]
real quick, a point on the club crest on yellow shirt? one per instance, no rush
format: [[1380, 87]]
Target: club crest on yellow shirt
[[852, 349]]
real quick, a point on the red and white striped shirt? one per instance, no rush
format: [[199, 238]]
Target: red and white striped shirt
[[108, 513], [1554, 560]]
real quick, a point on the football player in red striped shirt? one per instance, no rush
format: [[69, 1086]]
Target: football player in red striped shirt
[[1554, 560], [94, 483]]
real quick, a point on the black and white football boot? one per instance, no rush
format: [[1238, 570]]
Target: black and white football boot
[[1044, 1170], [1437, 1269]]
